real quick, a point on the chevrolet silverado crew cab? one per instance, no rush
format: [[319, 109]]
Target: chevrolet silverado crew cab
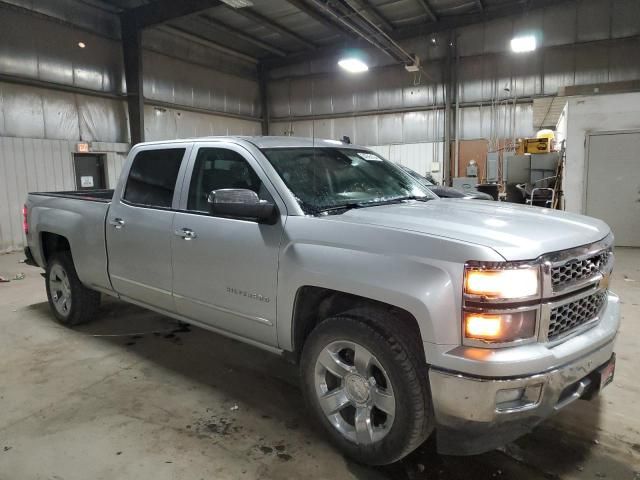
[[409, 315]]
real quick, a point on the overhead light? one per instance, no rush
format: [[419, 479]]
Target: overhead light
[[525, 43], [238, 3], [353, 65], [82, 44]]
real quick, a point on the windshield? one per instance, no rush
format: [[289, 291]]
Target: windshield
[[416, 176], [324, 179]]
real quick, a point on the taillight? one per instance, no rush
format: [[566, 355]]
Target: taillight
[[25, 223]]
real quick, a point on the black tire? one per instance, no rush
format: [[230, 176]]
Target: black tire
[[84, 302], [397, 349]]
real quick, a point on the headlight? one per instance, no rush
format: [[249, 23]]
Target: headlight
[[502, 283], [500, 327]]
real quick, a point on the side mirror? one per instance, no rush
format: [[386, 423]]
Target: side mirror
[[241, 203]]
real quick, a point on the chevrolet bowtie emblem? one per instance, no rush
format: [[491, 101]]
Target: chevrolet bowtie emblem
[[604, 281]]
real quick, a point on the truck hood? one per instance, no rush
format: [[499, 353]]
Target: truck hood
[[516, 232]]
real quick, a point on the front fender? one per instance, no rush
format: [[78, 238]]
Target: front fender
[[411, 271]]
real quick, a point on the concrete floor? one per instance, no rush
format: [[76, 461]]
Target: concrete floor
[[134, 395]]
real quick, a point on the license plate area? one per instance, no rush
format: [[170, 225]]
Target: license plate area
[[607, 372]]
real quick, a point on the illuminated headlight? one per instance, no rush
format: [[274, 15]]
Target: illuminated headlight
[[500, 327], [502, 283]]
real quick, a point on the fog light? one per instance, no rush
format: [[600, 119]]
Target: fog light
[[513, 399], [510, 395]]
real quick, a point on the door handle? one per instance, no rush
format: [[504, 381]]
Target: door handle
[[118, 223], [186, 233]]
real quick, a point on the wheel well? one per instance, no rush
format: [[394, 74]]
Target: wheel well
[[314, 304], [53, 243]]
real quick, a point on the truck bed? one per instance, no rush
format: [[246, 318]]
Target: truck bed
[[104, 196], [78, 216]]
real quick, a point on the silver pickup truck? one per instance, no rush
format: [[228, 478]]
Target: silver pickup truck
[[408, 314]]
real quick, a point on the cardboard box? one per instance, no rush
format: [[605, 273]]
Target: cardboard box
[[537, 145]]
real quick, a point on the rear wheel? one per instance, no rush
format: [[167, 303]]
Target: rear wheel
[[71, 302], [368, 386]]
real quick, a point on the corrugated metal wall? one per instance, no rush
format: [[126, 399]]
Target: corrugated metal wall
[[39, 130], [77, 95], [584, 42], [36, 164], [420, 157]]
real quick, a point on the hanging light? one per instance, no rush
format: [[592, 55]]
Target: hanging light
[[353, 65], [524, 43]]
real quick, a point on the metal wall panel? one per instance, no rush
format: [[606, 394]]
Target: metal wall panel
[[593, 20], [60, 116], [592, 64], [102, 119], [471, 40], [624, 18], [496, 121], [22, 111], [165, 81], [301, 96], [407, 127], [29, 165], [35, 164], [559, 25], [559, 69], [620, 68], [45, 50], [420, 157], [498, 34], [390, 128], [165, 124]]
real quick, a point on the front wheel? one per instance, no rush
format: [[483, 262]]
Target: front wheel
[[71, 302], [368, 386]]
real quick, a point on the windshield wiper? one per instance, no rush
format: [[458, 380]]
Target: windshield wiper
[[374, 203], [344, 206]]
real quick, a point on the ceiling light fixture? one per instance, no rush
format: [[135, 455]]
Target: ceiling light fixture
[[82, 44], [353, 65], [525, 43]]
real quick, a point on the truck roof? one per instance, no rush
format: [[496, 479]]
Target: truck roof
[[266, 142]]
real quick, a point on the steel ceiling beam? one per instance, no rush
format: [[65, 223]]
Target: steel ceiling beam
[[364, 31], [320, 18], [205, 18], [444, 24], [457, 21], [205, 42], [366, 7], [271, 25], [161, 11], [428, 10]]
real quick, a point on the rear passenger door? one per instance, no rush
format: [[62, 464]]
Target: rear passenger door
[[225, 271], [139, 225]]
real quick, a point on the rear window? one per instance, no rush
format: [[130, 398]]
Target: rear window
[[152, 178]]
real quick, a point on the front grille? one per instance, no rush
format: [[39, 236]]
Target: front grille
[[571, 315], [577, 270]]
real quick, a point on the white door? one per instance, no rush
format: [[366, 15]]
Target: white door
[[613, 183]]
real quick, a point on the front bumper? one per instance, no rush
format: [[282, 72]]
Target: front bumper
[[472, 417]]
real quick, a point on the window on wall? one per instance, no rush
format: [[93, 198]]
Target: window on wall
[[152, 178], [219, 168]]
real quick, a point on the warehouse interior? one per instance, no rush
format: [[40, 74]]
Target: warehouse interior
[[443, 91]]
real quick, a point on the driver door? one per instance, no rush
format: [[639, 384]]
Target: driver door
[[225, 269]]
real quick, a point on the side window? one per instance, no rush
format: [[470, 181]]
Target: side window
[[152, 178], [218, 168]]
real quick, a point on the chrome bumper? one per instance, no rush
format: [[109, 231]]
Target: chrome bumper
[[471, 419]]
